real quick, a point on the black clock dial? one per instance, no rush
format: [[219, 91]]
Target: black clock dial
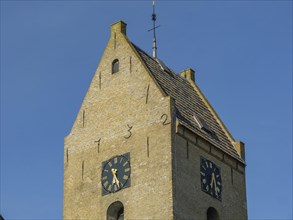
[[211, 181], [115, 174]]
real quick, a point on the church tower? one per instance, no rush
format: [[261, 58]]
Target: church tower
[[146, 144]]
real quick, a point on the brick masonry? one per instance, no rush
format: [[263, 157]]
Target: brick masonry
[[113, 102], [128, 112], [190, 201]]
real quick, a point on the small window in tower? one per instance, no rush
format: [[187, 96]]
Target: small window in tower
[[115, 66], [212, 214]]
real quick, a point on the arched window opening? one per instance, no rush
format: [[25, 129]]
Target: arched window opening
[[115, 211], [115, 66], [212, 214]]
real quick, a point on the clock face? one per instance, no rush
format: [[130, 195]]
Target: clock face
[[115, 174], [211, 181]]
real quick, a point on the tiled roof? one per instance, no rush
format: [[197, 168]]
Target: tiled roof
[[188, 103]]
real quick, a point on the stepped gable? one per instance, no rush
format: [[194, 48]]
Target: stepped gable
[[188, 103]]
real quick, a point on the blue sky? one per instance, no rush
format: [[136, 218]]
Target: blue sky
[[241, 52]]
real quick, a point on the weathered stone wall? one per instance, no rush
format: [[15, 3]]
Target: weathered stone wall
[[190, 202], [113, 104]]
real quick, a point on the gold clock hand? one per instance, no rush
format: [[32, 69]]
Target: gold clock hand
[[115, 179], [114, 175], [213, 182]]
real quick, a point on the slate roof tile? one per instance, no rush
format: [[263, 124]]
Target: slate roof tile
[[188, 102]]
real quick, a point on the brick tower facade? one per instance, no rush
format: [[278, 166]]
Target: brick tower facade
[[146, 144]]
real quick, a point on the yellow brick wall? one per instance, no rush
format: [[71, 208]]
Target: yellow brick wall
[[165, 183], [190, 201], [113, 102]]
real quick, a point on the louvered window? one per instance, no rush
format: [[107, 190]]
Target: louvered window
[[202, 123]]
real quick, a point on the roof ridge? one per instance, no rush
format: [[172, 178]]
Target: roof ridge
[[159, 61]]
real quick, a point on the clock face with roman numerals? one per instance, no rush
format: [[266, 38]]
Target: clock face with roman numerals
[[211, 181], [115, 174]]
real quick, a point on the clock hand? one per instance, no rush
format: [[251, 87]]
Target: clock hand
[[115, 180], [114, 175], [212, 179], [213, 182]]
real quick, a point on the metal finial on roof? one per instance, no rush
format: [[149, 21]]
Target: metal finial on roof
[[154, 18]]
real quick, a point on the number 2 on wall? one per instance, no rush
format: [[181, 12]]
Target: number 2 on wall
[[164, 119]]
